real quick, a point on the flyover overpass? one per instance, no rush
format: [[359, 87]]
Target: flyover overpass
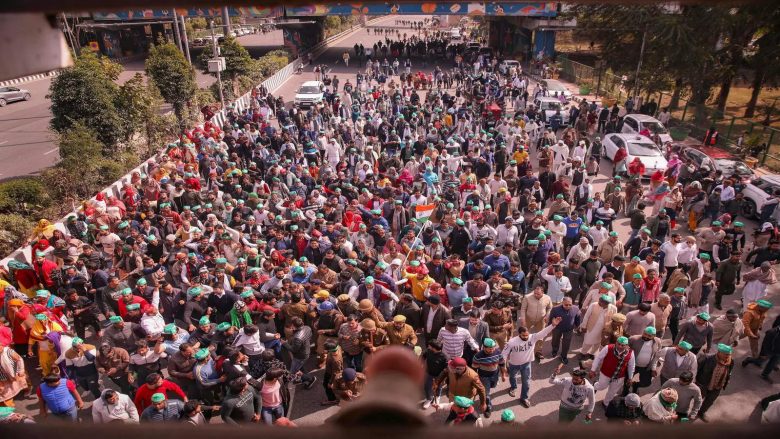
[[513, 26]]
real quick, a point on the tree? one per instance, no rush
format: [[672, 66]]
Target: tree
[[14, 230], [86, 93], [764, 59], [23, 195], [173, 76], [140, 104]]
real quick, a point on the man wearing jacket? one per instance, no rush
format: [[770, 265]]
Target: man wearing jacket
[[712, 376], [614, 364], [518, 355], [461, 381]]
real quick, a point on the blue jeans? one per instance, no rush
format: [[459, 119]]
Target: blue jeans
[[296, 365], [72, 414], [354, 361], [275, 344], [489, 382], [429, 387], [271, 414], [525, 375]]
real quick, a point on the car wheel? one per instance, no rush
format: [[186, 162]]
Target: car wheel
[[3, 102], [27, 96], [749, 209]]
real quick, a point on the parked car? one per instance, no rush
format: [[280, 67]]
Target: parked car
[[718, 160], [636, 146], [554, 86], [309, 94], [455, 33], [547, 106], [636, 123], [507, 64], [758, 192], [13, 94]]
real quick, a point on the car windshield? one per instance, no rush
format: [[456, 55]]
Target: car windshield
[[643, 150], [309, 90], [655, 127], [555, 87], [765, 186], [732, 166], [551, 106]]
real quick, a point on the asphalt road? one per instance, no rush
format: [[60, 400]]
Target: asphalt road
[[27, 145], [737, 404]]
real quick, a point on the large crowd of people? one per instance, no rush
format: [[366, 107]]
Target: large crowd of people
[[288, 247]]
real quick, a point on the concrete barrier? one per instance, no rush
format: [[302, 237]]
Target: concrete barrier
[[271, 83]]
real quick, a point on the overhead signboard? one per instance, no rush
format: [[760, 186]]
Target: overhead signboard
[[540, 9], [147, 14]]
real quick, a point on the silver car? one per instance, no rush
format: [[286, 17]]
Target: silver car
[[13, 94]]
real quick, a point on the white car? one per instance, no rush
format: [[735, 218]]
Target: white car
[[548, 106], [636, 123], [554, 87], [309, 94], [508, 64], [455, 33], [757, 193], [636, 146]]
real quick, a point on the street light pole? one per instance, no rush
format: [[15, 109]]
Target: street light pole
[[185, 40], [639, 64], [215, 55]]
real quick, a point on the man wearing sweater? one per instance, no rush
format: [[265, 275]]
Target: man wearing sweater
[[561, 335], [688, 395], [697, 331], [577, 391], [638, 319], [614, 364], [675, 360], [518, 355]]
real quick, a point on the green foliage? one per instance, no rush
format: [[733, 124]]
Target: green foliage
[[173, 76], [140, 104], [14, 230], [79, 144], [23, 195], [86, 93], [198, 23]]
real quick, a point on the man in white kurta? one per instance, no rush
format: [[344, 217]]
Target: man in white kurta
[[596, 317]]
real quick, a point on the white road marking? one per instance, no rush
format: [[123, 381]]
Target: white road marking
[[49, 152]]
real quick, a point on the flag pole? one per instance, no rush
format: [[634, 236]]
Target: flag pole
[[417, 236]]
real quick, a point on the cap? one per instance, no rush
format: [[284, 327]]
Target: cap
[[399, 318], [507, 415], [224, 326], [489, 343], [463, 402], [704, 316], [685, 345], [201, 354], [133, 306], [158, 397], [115, 319], [618, 317], [141, 281], [325, 306], [76, 341], [348, 374], [764, 303], [726, 349], [170, 329], [632, 400], [637, 276], [204, 321], [704, 256], [622, 340], [606, 285], [650, 330]]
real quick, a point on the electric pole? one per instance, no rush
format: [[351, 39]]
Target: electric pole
[[215, 56]]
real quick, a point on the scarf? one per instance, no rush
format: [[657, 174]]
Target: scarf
[[767, 278], [621, 357], [8, 363], [459, 417], [239, 321], [719, 375]]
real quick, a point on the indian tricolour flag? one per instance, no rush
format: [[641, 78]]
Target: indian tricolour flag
[[423, 212]]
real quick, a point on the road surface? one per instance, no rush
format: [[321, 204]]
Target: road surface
[[27, 145]]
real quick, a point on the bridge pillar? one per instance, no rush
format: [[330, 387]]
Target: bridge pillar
[[300, 37]]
